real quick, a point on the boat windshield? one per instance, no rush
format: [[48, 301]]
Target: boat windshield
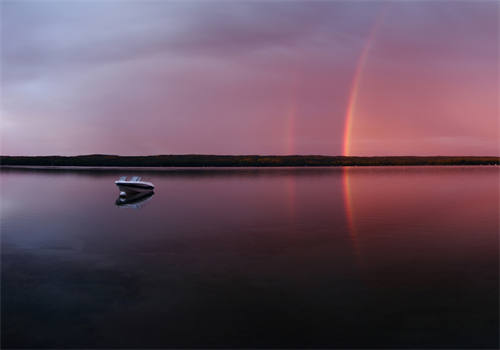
[[123, 178], [135, 178]]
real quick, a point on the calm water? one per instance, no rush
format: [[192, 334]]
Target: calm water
[[306, 257]]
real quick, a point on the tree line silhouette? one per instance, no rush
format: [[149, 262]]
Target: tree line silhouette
[[198, 160]]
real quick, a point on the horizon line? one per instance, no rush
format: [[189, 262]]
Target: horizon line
[[248, 155]]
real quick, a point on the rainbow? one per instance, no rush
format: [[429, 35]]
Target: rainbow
[[354, 91]]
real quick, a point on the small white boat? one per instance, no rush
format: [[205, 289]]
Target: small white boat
[[134, 185]]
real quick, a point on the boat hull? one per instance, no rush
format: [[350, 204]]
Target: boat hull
[[134, 188]]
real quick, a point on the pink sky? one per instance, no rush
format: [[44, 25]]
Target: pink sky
[[138, 78]]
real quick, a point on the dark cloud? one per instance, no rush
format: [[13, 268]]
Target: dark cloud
[[140, 77]]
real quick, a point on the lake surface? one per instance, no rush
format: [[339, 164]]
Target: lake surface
[[387, 257]]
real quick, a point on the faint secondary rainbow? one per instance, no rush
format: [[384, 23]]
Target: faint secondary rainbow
[[354, 91], [290, 129], [291, 114]]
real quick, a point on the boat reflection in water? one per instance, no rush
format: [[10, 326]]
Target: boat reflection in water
[[134, 200]]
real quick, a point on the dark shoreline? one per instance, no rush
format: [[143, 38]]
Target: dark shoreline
[[196, 160]]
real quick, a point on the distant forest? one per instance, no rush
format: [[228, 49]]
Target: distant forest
[[197, 160]]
